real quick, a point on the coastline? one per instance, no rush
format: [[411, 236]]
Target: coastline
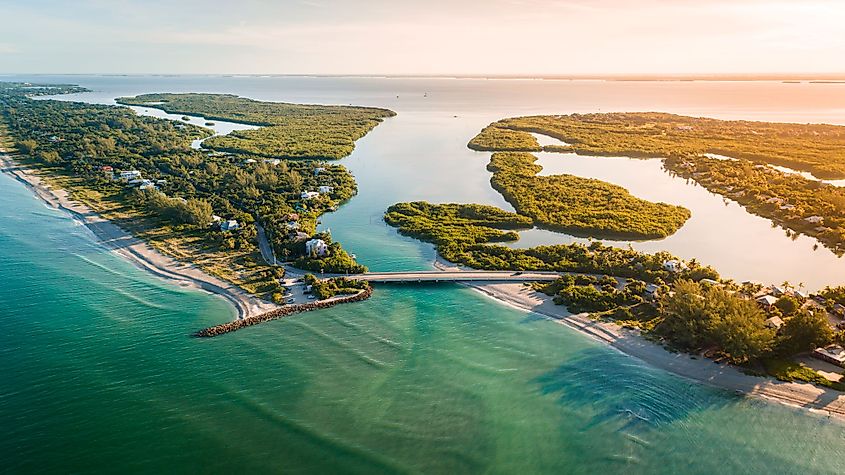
[[699, 369], [133, 249]]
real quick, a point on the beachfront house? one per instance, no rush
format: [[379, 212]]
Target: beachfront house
[[230, 225], [832, 354], [325, 189], [309, 195], [316, 247], [767, 301]]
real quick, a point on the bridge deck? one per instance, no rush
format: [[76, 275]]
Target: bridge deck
[[455, 276]]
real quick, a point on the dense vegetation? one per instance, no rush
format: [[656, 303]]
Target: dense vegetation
[[805, 206], [580, 206], [463, 234], [500, 139], [328, 288], [287, 130], [817, 148], [455, 223], [83, 145]]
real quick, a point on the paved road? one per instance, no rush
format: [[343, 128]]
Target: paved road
[[264, 246], [456, 276]]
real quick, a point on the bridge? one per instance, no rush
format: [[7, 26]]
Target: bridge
[[454, 276]]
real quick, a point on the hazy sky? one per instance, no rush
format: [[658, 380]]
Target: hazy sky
[[423, 37]]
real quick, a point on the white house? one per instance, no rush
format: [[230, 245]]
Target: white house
[[319, 170], [814, 219], [147, 185], [316, 247], [230, 225], [130, 175], [673, 265], [250, 161], [307, 195], [651, 290], [272, 161], [832, 354], [325, 189]]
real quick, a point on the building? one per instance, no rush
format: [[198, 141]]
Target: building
[[651, 290], [299, 236], [673, 265], [325, 189], [832, 354], [319, 170], [308, 195], [230, 225], [272, 161], [316, 247], [249, 161], [710, 282], [814, 219], [767, 301], [839, 309], [774, 323], [147, 185], [291, 225], [130, 175]]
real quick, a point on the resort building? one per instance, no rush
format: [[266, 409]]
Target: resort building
[[316, 247]]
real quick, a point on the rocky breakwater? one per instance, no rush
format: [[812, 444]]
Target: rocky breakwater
[[282, 312]]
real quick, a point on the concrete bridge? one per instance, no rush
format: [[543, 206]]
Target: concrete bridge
[[454, 276]]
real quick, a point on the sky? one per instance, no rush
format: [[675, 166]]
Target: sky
[[431, 37]]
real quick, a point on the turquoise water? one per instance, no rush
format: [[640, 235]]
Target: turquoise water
[[100, 374]]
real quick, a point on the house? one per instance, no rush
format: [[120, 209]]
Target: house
[[814, 219], [767, 301], [651, 290], [778, 291], [299, 236], [787, 207], [307, 195], [129, 175], [800, 294], [832, 354], [673, 265], [838, 308], [249, 161], [773, 323], [292, 217], [710, 282], [272, 161], [325, 189], [230, 225], [215, 219], [147, 185], [291, 225], [319, 170], [316, 247]]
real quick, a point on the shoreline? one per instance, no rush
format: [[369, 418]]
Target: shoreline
[[806, 396], [136, 251]]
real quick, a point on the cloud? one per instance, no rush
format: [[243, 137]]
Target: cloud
[[6, 48]]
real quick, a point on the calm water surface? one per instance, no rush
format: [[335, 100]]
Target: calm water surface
[[99, 371]]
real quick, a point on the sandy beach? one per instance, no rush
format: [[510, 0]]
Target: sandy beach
[[630, 342], [136, 251]]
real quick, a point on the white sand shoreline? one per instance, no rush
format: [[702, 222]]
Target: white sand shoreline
[[133, 249], [802, 395]]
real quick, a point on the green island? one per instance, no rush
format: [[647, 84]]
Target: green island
[[286, 131], [799, 204], [580, 206], [201, 206]]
